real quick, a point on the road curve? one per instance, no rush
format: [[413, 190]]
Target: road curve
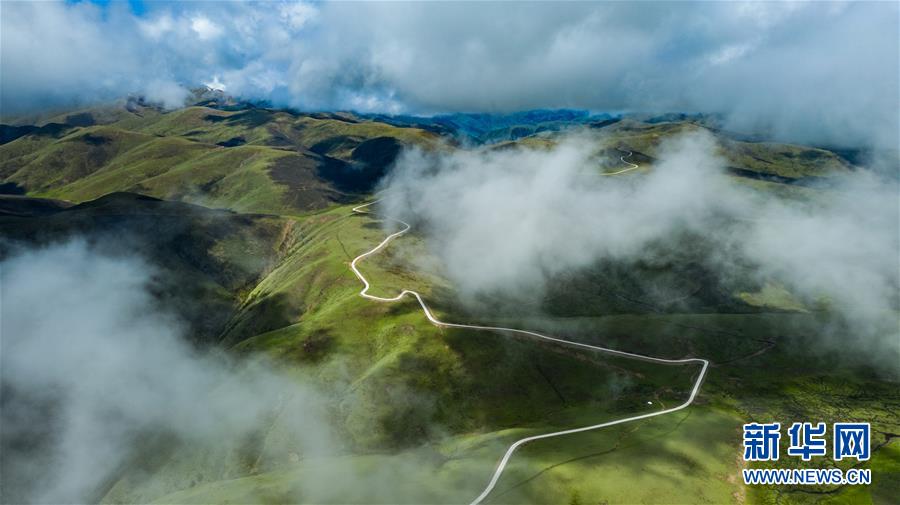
[[435, 321], [629, 169]]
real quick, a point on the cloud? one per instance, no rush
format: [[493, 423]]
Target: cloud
[[536, 196], [103, 398], [204, 28], [297, 15], [814, 72], [93, 374], [505, 223], [156, 28], [166, 92]]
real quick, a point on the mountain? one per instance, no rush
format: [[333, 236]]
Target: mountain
[[254, 160], [483, 128], [251, 159], [246, 212], [208, 259]]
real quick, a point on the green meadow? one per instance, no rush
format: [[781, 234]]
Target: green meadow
[[255, 233]]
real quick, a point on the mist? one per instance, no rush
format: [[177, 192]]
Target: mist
[[505, 223], [98, 381], [103, 398]]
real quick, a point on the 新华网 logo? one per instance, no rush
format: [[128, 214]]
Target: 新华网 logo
[[807, 441]]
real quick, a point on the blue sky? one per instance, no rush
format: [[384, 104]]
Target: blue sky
[[138, 7], [826, 71]]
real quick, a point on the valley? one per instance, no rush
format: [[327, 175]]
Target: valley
[[259, 246]]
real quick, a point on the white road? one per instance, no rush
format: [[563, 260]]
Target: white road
[[518, 443], [629, 169]]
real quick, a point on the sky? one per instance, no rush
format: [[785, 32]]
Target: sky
[[823, 72]]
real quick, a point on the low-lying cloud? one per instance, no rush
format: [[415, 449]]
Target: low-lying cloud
[[813, 72], [93, 376], [103, 398], [506, 222]]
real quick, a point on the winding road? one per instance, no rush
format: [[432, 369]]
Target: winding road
[[629, 169], [437, 322]]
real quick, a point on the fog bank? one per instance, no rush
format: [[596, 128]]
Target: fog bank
[[93, 375], [506, 222]]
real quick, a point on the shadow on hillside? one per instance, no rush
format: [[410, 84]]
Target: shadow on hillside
[[251, 118], [370, 161]]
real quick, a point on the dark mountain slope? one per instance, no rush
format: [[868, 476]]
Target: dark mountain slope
[[205, 260]]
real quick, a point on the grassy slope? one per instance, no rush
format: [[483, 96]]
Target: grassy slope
[[403, 388], [398, 338], [483, 391], [786, 160], [208, 259], [757, 159], [763, 370], [441, 406], [374, 357], [74, 156], [175, 156]]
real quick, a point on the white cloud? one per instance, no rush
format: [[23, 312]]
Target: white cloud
[[534, 196], [813, 72], [205, 28], [297, 15], [505, 222], [157, 27], [766, 14], [98, 369], [729, 53], [167, 93]]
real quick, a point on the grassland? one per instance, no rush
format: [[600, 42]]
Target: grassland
[[425, 413], [253, 160], [207, 259], [401, 388], [271, 161], [429, 411], [765, 158]]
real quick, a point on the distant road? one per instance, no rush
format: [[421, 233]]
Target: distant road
[[629, 169], [435, 321]]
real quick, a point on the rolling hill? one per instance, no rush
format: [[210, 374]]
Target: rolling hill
[[249, 160], [246, 212]]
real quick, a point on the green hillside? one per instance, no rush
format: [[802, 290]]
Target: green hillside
[[247, 214], [750, 159], [271, 161], [465, 395], [209, 259], [253, 160]]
